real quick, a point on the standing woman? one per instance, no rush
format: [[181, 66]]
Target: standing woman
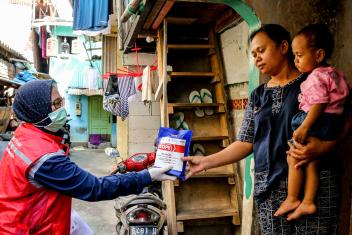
[[265, 130], [38, 180]]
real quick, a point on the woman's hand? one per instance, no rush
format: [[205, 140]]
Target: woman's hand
[[310, 151], [194, 164]]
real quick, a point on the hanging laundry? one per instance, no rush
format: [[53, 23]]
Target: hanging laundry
[[43, 36], [116, 98], [147, 93], [91, 78], [90, 15]]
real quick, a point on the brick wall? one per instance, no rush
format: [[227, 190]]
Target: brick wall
[[143, 126]]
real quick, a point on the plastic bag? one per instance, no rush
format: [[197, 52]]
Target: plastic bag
[[172, 145]]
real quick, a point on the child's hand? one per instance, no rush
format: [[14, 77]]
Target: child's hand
[[300, 134]]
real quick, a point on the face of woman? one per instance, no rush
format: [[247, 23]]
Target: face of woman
[[268, 56], [56, 100]]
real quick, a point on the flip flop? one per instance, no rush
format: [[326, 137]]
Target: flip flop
[[177, 120], [198, 150], [194, 97], [184, 126], [207, 98]]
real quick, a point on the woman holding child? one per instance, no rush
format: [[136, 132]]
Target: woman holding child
[[265, 131]]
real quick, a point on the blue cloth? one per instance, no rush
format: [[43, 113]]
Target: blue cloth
[[90, 15], [33, 101], [327, 127], [63, 175], [24, 77]]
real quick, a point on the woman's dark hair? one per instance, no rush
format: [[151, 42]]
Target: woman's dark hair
[[278, 34], [319, 37]]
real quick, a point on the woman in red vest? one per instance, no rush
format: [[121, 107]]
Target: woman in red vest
[[38, 180]]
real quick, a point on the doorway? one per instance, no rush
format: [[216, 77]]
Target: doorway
[[99, 121]]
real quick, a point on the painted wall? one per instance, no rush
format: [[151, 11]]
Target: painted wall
[[79, 124], [62, 71]]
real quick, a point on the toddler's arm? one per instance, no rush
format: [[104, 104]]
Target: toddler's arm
[[300, 134]]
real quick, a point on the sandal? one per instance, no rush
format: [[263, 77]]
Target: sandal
[[198, 150], [207, 98], [195, 98], [177, 120]]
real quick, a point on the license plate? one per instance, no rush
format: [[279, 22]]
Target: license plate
[[147, 230]]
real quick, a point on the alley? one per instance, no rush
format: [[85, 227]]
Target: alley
[[100, 216]]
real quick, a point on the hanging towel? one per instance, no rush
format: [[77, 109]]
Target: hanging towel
[[147, 94]]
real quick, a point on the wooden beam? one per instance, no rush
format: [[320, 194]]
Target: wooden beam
[[181, 20], [166, 8], [231, 20], [153, 14]]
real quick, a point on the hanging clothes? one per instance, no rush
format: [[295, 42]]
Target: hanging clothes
[[91, 78], [43, 36], [116, 95], [147, 93], [90, 15]]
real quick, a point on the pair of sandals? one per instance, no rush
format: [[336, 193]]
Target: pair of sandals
[[204, 96], [178, 121], [198, 150]]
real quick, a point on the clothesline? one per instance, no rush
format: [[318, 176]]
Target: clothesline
[[120, 73], [138, 72]]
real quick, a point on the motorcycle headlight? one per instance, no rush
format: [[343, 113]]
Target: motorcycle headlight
[[142, 216]]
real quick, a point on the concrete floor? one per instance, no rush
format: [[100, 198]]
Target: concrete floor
[[100, 216]]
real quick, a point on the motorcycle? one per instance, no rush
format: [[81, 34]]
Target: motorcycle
[[66, 139], [145, 213]]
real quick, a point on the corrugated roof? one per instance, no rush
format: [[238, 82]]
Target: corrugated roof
[[11, 52]]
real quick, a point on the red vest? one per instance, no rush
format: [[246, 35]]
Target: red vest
[[25, 206]]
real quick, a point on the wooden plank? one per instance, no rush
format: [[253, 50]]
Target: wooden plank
[[181, 20], [169, 199], [205, 214], [161, 16], [192, 74], [165, 78], [218, 108], [153, 14], [190, 46], [5, 115], [208, 138], [215, 200], [194, 105], [228, 18], [222, 171]]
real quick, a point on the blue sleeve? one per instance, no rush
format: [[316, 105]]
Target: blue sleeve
[[63, 175]]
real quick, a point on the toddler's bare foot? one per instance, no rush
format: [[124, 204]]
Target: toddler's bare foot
[[287, 206], [303, 209]]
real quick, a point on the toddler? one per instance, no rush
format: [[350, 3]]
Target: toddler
[[321, 103]]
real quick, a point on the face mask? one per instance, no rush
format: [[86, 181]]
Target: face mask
[[58, 119]]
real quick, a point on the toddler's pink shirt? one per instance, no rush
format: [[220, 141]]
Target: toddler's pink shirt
[[324, 85]]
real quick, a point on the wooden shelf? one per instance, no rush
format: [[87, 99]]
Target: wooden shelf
[[190, 46], [192, 74], [219, 107], [205, 138], [205, 214], [193, 105], [223, 171]]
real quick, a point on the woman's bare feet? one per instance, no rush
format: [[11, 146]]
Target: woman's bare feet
[[288, 205], [305, 208]]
